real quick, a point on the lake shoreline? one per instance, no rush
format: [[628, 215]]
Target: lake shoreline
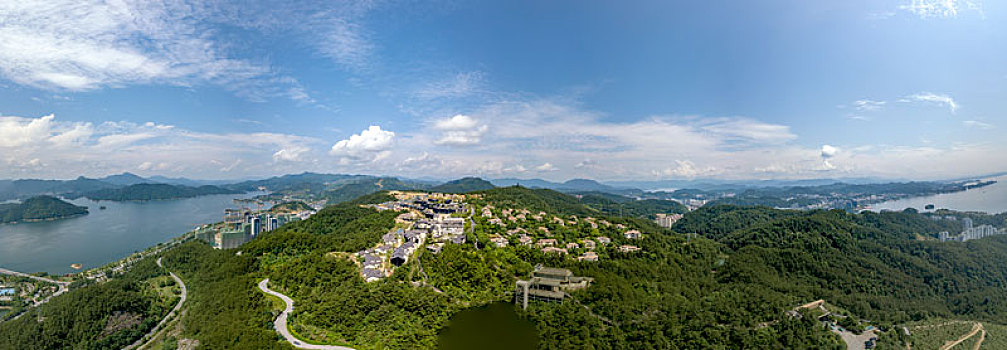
[[104, 236], [990, 198], [30, 221]]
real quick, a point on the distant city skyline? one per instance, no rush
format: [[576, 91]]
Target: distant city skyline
[[642, 91]]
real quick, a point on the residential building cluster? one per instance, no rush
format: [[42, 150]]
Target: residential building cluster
[[551, 234], [970, 232], [666, 220], [18, 290], [426, 217], [242, 225], [432, 220]]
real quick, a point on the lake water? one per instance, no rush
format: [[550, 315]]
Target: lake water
[[492, 327], [990, 199], [106, 235]]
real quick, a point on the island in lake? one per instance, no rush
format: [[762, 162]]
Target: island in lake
[[40, 208]]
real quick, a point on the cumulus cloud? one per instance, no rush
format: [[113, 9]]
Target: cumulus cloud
[[459, 130], [545, 167], [371, 144], [19, 132], [932, 98], [108, 147], [829, 151]]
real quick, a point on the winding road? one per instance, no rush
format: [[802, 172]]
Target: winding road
[[281, 322], [149, 335]]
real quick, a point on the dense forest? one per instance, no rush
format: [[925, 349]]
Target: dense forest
[[39, 208], [106, 315], [463, 185], [149, 192], [727, 286], [616, 205]]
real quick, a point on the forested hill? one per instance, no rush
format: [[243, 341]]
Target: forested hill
[[147, 192], [463, 185], [885, 267], [38, 209], [727, 287]]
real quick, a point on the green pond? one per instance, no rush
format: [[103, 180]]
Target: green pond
[[491, 327]]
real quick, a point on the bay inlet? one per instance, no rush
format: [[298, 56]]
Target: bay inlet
[[103, 236]]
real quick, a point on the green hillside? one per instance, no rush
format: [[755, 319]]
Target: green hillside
[[38, 209], [463, 185], [727, 287], [148, 192]]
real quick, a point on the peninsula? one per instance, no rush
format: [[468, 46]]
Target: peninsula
[[40, 208]]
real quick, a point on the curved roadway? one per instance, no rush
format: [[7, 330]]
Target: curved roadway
[[281, 322], [185, 294]]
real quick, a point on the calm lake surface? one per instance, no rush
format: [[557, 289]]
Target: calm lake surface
[[991, 199], [106, 235], [492, 327]]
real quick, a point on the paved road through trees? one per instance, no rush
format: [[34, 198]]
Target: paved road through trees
[[281, 322]]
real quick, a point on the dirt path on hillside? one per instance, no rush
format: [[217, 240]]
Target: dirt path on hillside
[[982, 336], [975, 329]]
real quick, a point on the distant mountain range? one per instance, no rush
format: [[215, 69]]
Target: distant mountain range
[[336, 188], [121, 187], [575, 185]]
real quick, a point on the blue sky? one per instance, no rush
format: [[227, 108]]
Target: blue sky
[[644, 90]]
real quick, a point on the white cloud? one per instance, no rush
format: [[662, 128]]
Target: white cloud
[[575, 142], [929, 97], [868, 105], [371, 144], [145, 166], [829, 151], [516, 168], [292, 153], [977, 124], [686, 169], [459, 130], [458, 122], [747, 130], [940, 8], [229, 168], [72, 148], [546, 167], [19, 132], [586, 164], [92, 44]]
